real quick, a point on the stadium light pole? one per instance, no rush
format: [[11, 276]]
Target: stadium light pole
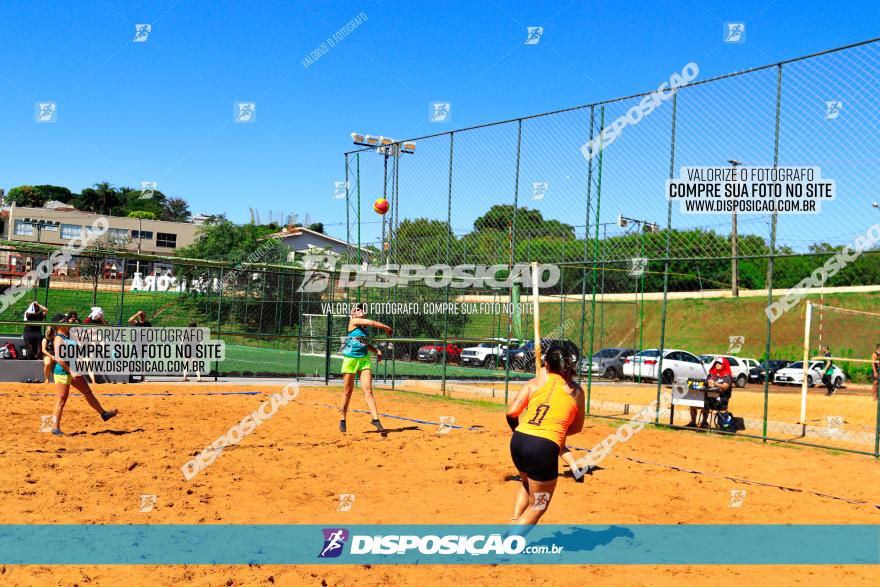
[[387, 147], [734, 266]]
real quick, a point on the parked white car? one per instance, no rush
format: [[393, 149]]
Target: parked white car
[[749, 363], [739, 368], [485, 354], [676, 364], [794, 374]]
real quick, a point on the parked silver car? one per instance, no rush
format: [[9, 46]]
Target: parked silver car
[[608, 362]]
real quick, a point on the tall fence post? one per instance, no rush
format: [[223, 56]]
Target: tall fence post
[[347, 209], [219, 321], [509, 355], [595, 260], [448, 237], [770, 261], [666, 263], [299, 321], [46, 294], [586, 254], [327, 348], [99, 267], [122, 292]]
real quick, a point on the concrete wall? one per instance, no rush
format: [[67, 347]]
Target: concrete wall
[[185, 232]]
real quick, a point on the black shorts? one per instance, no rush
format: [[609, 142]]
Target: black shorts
[[719, 403], [535, 456], [33, 338]]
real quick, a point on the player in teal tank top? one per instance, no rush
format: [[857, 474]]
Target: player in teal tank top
[[65, 377], [356, 360]]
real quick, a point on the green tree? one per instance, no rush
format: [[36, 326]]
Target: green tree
[[529, 223], [221, 240], [176, 210], [132, 200], [101, 199], [144, 214], [422, 241], [26, 195]]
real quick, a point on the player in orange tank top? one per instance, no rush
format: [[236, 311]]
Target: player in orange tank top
[[544, 416]]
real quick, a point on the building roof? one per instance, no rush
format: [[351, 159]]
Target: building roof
[[289, 231], [60, 206], [19, 211]]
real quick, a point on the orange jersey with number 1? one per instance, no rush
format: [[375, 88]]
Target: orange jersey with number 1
[[550, 412]]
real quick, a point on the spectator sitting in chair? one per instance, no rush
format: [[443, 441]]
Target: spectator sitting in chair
[[720, 379], [139, 319]]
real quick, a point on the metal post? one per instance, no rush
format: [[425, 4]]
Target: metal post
[[219, 322], [586, 252], [770, 261], [807, 321], [602, 290], [122, 292], [595, 254], [46, 294], [347, 211], [512, 249], [299, 321], [327, 349], [602, 302], [536, 315], [448, 237], [666, 263], [95, 284], [358, 163], [385, 196], [641, 305]]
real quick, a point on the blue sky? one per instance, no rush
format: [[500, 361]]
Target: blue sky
[[162, 110]]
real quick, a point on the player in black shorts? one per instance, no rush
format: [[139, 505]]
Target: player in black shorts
[[542, 418]]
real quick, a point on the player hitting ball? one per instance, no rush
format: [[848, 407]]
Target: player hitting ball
[[356, 360], [549, 414]]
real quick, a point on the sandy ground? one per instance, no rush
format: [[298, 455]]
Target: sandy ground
[[293, 467], [849, 416]]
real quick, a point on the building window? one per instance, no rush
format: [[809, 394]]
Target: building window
[[71, 231], [23, 228], [143, 234], [118, 235], [165, 239], [50, 227]]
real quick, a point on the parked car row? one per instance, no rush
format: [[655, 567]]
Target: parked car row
[[520, 356], [623, 362]]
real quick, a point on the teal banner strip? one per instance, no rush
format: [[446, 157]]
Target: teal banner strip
[[439, 544]]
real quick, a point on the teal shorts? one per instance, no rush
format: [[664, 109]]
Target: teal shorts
[[355, 364]]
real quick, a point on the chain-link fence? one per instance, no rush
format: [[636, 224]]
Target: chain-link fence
[[636, 272], [645, 291]]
